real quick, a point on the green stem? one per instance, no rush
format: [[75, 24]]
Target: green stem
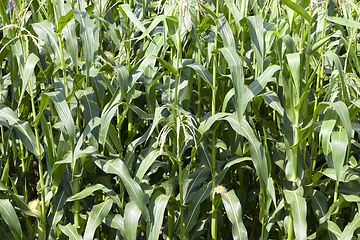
[[336, 191], [170, 224], [21, 156], [76, 189], [130, 122], [213, 102], [63, 65], [178, 58], [181, 201], [290, 228], [242, 42], [5, 159], [42, 182], [199, 61]]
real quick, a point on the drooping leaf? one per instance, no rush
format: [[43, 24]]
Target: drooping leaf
[[89, 34], [57, 212], [350, 228], [22, 130], [97, 214], [298, 211], [64, 113], [90, 189], [70, 231], [106, 115], [157, 205], [318, 203], [234, 212], [45, 31], [339, 148], [116, 166], [146, 164], [8, 214], [131, 218], [255, 24], [115, 221], [298, 9], [203, 73], [237, 75]]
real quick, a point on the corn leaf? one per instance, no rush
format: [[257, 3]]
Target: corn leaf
[[234, 212]]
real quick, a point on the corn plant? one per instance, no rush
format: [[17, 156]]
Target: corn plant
[[179, 119]]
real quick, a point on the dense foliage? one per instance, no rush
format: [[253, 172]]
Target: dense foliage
[[179, 119]]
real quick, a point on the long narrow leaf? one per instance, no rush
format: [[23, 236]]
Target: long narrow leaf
[[234, 212]]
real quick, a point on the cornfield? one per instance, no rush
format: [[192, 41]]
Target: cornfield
[[179, 119]]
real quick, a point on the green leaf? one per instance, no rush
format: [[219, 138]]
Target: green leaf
[[45, 31], [57, 212], [327, 127], [339, 148], [343, 112], [157, 207], [321, 42], [43, 103], [298, 9], [273, 101], [97, 214], [4, 231], [344, 22], [225, 32], [92, 188], [237, 75], [22, 129], [123, 79], [346, 175], [77, 85], [227, 98], [195, 180], [318, 203], [256, 148], [332, 228], [64, 113], [146, 164], [167, 65], [233, 8], [8, 214], [154, 22], [70, 231], [116, 166], [256, 29], [203, 73], [336, 60], [234, 213], [207, 121], [89, 34], [350, 228], [92, 124], [107, 114], [298, 211], [3, 187], [131, 218], [22, 205], [139, 112], [259, 84], [127, 12], [88, 101], [69, 33], [63, 21], [204, 192], [115, 221], [294, 64], [28, 75]]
